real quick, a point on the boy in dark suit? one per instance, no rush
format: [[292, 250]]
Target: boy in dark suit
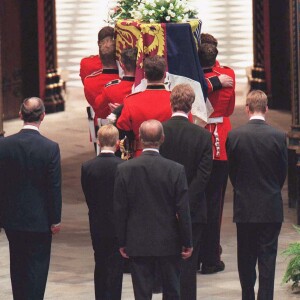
[[97, 180], [30, 206], [189, 145], [257, 156], [153, 224]]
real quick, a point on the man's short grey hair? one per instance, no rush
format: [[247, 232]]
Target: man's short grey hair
[[31, 109], [151, 133]]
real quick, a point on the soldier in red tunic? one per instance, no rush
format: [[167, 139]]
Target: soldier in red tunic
[[223, 101], [153, 103], [91, 64], [221, 80], [116, 90], [94, 83]]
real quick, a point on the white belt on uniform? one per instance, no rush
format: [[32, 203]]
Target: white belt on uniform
[[215, 120]]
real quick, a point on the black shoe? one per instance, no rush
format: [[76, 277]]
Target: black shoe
[[213, 269]]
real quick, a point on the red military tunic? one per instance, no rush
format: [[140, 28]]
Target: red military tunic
[[94, 84], [89, 65], [213, 83], [114, 92], [153, 103], [223, 101]]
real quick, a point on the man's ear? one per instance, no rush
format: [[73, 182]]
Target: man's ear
[[20, 115], [267, 109], [42, 116], [247, 109]]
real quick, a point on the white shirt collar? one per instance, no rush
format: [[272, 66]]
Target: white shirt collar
[[175, 114], [257, 118], [31, 127], [151, 149], [107, 151]]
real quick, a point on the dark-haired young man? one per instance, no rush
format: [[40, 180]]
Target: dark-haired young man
[[30, 203]]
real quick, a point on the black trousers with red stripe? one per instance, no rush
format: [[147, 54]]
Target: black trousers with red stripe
[[215, 192]]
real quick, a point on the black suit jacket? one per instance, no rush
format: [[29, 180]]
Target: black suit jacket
[[190, 145], [97, 181], [257, 156], [151, 206], [30, 183]]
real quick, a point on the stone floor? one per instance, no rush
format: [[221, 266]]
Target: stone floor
[[71, 271]]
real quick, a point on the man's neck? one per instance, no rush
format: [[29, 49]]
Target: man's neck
[[206, 68], [32, 124], [261, 116], [110, 67], [160, 82], [156, 149], [180, 113], [129, 74], [106, 148]]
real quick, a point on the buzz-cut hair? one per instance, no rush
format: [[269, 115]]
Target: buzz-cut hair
[[128, 58], [155, 68]]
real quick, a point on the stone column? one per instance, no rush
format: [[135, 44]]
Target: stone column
[[1, 96], [294, 134], [257, 78]]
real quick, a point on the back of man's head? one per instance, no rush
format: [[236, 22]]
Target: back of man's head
[[151, 133], [32, 109], [155, 68], [182, 98], [108, 136], [105, 32], [107, 53], [207, 55], [207, 38], [128, 59], [257, 102]]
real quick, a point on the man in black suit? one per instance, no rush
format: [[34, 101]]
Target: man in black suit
[[30, 189], [97, 180], [257, 155], [153, 223], [189, 145]]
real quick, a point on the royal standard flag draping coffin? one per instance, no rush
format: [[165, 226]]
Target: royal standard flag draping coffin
[[177, 42]]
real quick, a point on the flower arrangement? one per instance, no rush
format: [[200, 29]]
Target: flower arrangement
[[122, 10], [292, 272], [153, 11]]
